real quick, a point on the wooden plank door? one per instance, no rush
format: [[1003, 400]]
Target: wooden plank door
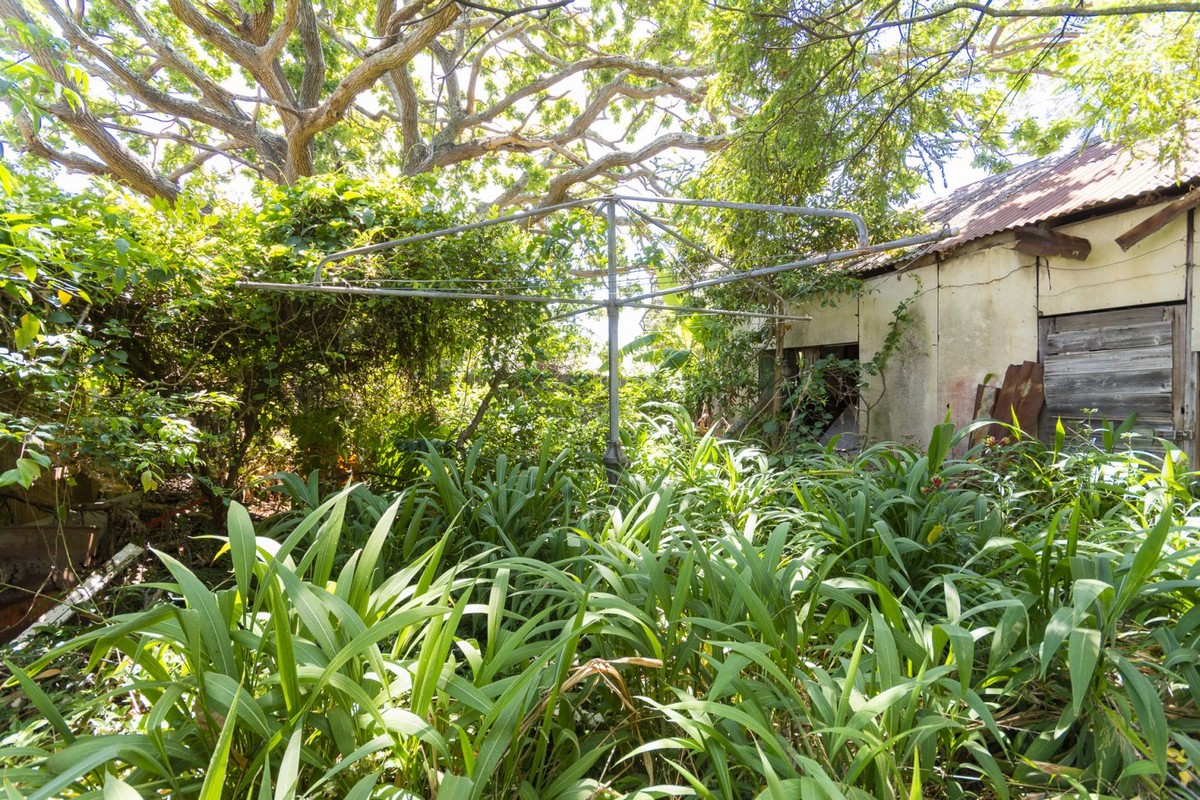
[[1111, 364]]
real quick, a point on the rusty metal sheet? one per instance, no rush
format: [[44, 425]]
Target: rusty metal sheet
[[31, 555], [36, 562], [1040, 191], [1055, 186], [1023, 393]]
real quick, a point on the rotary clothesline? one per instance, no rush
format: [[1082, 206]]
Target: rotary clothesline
[[613, 458]]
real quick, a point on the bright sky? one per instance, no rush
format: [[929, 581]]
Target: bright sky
[[958, 173]]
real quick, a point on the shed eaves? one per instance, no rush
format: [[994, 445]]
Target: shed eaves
[[1056, 186]]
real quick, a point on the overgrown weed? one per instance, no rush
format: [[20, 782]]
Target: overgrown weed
[[907, 623]]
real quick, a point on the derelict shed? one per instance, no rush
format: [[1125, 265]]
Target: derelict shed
[[1081, 265]]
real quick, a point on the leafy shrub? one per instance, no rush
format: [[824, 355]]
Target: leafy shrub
[[125, 336], [71, 389]]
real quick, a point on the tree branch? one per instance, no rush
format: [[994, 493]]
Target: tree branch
[[477, 63], [1002, 13], [72, 161], [605, 95], [468, 432], [313, 79], [234, 124], [543, 8], [408, 104], [229, 118], [470, 150], [557, 190], [272, 127], [256, 26], [241, 51], [368, 72], [399, 85], [208, 88], [274, 46], [119, 161], [642, 69], [402, 16], [244, 53], [227, 149]]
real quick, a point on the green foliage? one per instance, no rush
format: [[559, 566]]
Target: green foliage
[[276, 675], [545, 388], [69, 395], [522, 103], [815, 396], [721, 378], [726, 377], [129, 349], [301, 362], [905, 624], [856, 104]]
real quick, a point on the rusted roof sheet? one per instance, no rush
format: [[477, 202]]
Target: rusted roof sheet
[[1056, 186]]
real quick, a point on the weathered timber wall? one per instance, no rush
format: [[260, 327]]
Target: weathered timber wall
[[1118, 362]]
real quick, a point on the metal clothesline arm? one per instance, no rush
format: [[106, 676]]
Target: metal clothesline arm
[[720, 312], [577, 312], [840, 255], [428, 294], [614, 459], [804, 211], [588, 304], [676, 235], [472, 226], [858, 221]]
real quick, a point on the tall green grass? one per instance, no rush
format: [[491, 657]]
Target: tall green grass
[[1000, 622]]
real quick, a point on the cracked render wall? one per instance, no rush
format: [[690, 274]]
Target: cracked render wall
[[975, 313]]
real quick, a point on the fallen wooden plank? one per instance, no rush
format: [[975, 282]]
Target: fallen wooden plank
[[120, 501], [1159, 220], [85, 591]]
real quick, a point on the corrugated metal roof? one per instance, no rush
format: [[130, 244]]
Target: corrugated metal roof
[[1056, 186]]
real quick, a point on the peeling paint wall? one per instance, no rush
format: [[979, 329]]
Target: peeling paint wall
[[987, 305], [898, 403], [977, 313], [834, 322]]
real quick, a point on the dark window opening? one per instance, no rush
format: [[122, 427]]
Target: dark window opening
[[820, 386]]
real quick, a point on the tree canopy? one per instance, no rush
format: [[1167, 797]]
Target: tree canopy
[[863, 100], [147, 93], [518, 102], [128, 351]]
